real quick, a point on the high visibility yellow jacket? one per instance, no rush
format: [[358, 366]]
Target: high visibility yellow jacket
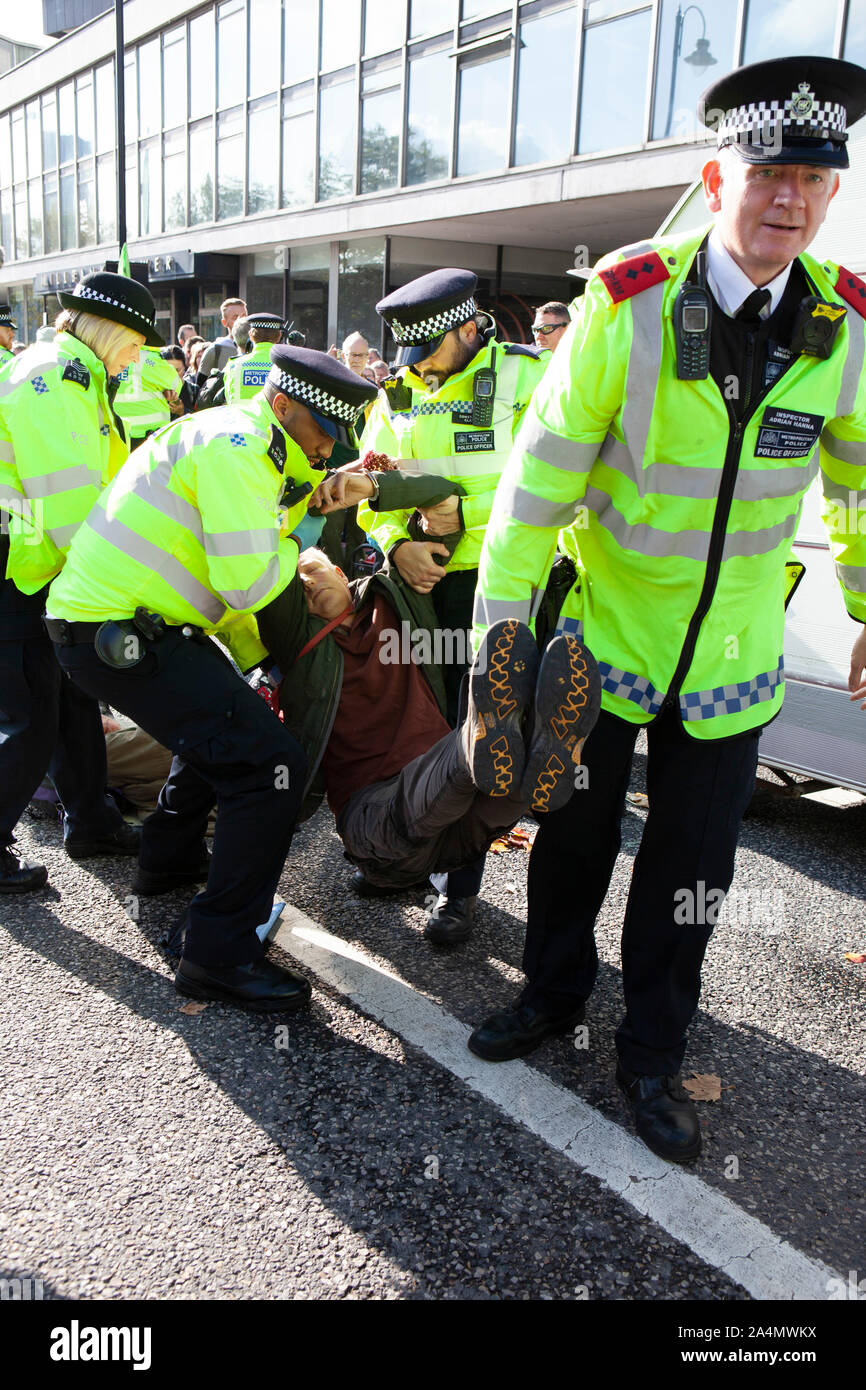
[[193, 528], [244, 376], [680, 518], [6, 356], [140, 400], [59, 446], [431, 432]]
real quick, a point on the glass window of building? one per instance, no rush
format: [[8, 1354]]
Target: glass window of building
[[545, 85], [262, 145], [789, 27], [264, 46], [300, 40], [174, 77], [49, 130], [201, 173], [68, 220], [86, 205], [34, 199], [131, 179], [150, 181], [384, 25], [426, 19], [337, 115], [7, 236], [149, 89], [5, 153], [381, 118], [264, 284], [84, 110], [428, 148], [105, 123], [308, 292], [620, 46], [480, 9], [203, 59], [106, 199], [689, 38], [231, 54], [482, 122], [66, 119], [230, 165], [359, 286], [299, 148], [130, 97], [51, 205], [855, 32], [19, 197], [174, 175], [34, 138], [19, 146], [341, 33]]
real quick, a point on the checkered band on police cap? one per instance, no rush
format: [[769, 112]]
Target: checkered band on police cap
[[316, 397], [267, 321], [422, 330], [83, 291], [758, 117]]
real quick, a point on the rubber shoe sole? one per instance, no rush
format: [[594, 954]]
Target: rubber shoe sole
[[501, 685], [567, 704], [498, 1049], [212, 994]]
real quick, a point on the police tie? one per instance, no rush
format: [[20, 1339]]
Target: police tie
[[750, 310]]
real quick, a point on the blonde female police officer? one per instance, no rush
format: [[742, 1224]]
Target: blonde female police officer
[[60, 444]]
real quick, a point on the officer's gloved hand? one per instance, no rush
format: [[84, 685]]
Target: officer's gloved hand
[[308, 531]]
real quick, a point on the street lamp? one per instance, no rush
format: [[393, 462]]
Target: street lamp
[[701, 59]]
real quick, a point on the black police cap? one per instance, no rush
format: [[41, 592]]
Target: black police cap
[[117, 298], [6, 319], [321, 383], [787, 110], [421, 313], [271, 323]]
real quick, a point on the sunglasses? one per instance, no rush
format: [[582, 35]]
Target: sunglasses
[[545, 328]]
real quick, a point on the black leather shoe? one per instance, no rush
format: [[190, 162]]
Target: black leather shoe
[[664, 1113], [365, 889], [126, 839], [261, 985], [520, 1030], [151, 882], [17, 877], [501, 686], [450, 920]]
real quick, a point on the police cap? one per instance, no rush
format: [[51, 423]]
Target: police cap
[[6, 319], [334, 396], [787, 110], [421, 313], [268, 323]]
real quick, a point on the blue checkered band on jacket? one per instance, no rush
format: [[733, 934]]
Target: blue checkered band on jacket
[[316, 397], [431, 327], [699, 704], [438, 408], [761, 116]]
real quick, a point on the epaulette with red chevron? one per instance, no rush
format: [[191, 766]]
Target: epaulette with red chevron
[[634, 275], [852, 289]]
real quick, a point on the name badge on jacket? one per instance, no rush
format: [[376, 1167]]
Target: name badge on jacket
[[787, 434], [474, 442]]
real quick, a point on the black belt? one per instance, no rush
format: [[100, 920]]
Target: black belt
[[66, 634]]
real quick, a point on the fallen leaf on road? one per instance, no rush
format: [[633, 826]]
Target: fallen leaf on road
[[193, 1006], [704, 1087], [856, 957], [515, 839], [638, 798]]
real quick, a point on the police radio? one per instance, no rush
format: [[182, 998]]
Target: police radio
[[693, 316], [483, 395]]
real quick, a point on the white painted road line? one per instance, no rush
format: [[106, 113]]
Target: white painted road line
[[691, 1211]]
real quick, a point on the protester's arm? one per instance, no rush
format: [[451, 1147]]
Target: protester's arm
[[386, 527]]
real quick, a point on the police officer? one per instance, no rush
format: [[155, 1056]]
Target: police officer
[[146, 393], [60, 443], [193, 537], [244, 376], [7, 333], [677, 430], [453, 409]]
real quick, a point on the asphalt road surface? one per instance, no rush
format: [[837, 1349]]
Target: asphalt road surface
[[359, 1151]]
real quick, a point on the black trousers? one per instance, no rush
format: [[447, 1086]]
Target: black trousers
[[430, 817], [454, 599], [47, 725], [698, 792], [230, 750]]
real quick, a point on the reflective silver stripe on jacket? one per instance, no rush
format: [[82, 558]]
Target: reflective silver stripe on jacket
[[644, 366], [248, 598], [853, 577], [569, 454], [850, 383], [229, 544], [154, 558], [678, 480], [851, 451], [493, 610], [685, 544], [532, 510], [61, 480]]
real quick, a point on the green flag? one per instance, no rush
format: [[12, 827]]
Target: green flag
[[123, 263]]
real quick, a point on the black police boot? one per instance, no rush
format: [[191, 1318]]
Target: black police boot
[[664, 1113], [124, 840], [17, 877], [260, 985], [520, 1030], [450, 920], [149, 883]]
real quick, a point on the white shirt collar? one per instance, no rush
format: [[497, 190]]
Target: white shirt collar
[[731, 286]]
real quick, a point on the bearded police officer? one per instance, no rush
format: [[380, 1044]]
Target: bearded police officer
[[193, 537], [7, 333], [244, 376], [453, 410], [677, 430]]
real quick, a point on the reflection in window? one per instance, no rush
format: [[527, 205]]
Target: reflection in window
[[19, 146], [130, 97], [7, 238], [680, 84], [262, 177], [622, 46], [341, 32], [86, 205], [174, 176], [380, 141], [34, 197], [150, 180], [201, 173], [149, 90], [21, 240], [359, 285], [174, 77], [84, 106], [67, 211], [855, 32], [383, 25], [231, 54], [790, 27], [545, 84], [106, 199], [201, 47], [51, 204], [428, 150], [105, 133], [230, 165], [425, 18], [131, 180], [49, 131], [265, 46], [478, 9], [299, 147], [5, 155], [336, 141], [300, 41], [34, 139], [482, 135], [66, 115]]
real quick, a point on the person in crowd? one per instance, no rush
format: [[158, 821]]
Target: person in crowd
[[60, 444], [146, 395], [458, 394], [190, 345], [549, 324], [661, 437], [193, 376], [185, 332], [7, 333], [354, 352], [224, 347], [193, 537], [185, 399], [246, 375], [381, 371]]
